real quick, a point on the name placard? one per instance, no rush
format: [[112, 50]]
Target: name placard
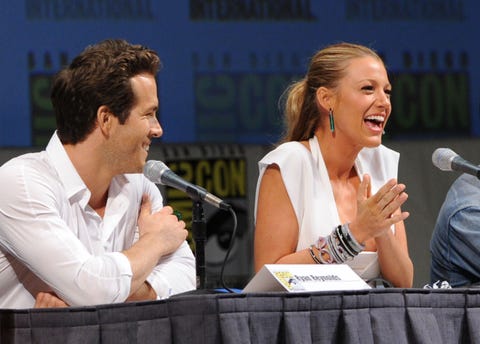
[[304, 278]]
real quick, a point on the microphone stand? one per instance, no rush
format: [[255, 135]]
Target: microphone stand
[[199, 231]]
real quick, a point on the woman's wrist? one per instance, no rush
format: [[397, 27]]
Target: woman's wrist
[[338, 247], [356, 233], [350, 240]]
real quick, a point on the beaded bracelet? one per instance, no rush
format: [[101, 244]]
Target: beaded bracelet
[[344, 242], [326, 256], [339, 250], [338, 247], [313, 255]]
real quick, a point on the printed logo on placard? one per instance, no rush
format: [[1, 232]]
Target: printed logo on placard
[[289, 280]]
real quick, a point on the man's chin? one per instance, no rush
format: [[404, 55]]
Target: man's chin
[[137, 169]]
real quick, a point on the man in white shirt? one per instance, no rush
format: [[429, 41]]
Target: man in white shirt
[[79, 223]]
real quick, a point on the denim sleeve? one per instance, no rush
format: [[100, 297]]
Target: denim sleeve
[[464, 239]]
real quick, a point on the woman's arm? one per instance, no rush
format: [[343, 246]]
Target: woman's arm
[[375, 215], [395, 263], [276, 228]]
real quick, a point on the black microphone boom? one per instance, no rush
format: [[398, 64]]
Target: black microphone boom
[[159, 173], [447, 160]]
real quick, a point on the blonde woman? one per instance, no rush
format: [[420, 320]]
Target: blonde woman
[[329, 193]]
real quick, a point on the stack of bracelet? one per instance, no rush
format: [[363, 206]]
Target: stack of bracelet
[[340, 246]]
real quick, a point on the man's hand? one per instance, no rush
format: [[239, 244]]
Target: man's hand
[[161, 233], [48, 300], [162, 226]]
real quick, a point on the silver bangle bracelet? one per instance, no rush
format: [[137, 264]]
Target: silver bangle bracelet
[[350, 239]]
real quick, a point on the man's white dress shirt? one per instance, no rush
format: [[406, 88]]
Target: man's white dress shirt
[[52, 240]]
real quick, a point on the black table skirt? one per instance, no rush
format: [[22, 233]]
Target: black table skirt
[[390, 316]]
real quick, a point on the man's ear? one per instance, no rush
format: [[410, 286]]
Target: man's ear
[[105, 119], [325, 97]]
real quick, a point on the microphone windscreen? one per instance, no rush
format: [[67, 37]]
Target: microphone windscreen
[[154, 169], [442, 158]]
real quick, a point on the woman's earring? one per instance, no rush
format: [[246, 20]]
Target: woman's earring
[[332, 121]]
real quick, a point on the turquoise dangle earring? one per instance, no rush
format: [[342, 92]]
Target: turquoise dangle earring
[[332, 121]]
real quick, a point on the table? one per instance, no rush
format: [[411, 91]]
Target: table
[[367, 316]]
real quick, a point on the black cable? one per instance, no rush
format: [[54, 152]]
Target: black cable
[[232, 240]]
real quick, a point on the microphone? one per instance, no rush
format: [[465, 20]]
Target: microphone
[[159, 173], [447, 160]]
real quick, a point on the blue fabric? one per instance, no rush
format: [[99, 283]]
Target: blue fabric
[[455, 242]]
